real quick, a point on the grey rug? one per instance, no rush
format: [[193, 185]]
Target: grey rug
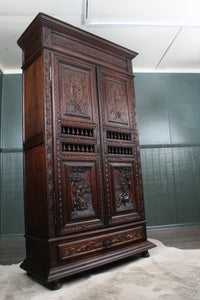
[[168, 274]]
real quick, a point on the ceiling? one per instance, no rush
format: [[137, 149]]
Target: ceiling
[[166, 34]]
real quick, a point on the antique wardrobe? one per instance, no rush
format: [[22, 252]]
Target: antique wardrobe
[[83, 190]]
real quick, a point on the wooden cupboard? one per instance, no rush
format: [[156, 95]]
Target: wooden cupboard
[[84, 203]]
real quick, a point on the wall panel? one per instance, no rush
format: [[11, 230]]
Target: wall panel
[[11, 209], [168, 108], [12, 194]]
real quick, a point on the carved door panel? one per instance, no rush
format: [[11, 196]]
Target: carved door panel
[[124, 196], [78, 171]]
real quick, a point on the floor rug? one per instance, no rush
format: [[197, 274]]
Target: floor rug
[[168, 274]]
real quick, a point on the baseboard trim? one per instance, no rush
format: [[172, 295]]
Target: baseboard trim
[[168, 226], [10, 235], [11, 150], [152, 146]]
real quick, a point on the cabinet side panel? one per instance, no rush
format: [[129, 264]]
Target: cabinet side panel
[[35, 193], [36, 212], [33, 95]]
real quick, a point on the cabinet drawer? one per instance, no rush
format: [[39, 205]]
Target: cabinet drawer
[[103, 242]]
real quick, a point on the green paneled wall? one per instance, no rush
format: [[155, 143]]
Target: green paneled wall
[[1, 82], [168, 108], [12, 112], [12, 194], [12, 220]]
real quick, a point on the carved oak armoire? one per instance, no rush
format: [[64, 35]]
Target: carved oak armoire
[[84, 204]]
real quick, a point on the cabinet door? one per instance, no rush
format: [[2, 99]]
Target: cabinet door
[[78, 170], [123, 188]]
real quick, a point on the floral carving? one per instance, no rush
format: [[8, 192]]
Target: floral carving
[[117, 102], [76, 93]]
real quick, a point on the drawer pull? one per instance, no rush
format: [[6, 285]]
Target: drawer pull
[[107, 244]]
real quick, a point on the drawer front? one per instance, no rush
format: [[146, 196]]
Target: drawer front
[[83, 247]]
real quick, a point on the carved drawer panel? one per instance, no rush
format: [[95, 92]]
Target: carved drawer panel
[[74, 249]]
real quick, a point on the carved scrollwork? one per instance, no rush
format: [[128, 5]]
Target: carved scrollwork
[[75, 46], [116, 94], [80, 248], [76, 92]]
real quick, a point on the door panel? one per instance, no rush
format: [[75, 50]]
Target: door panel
[[116, 101], [120, 150], [78, 170], [115, 89], [76, 98]]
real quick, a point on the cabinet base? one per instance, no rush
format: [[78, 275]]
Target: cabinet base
[[50, 277]]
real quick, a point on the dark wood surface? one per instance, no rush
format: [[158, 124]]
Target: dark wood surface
[[12, 250], [83, 191]]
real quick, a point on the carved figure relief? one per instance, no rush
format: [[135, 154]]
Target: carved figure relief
[[81, 192], [122, 185], [117, 106], [76, 94]]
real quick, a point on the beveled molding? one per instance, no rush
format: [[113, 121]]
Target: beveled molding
[[52, 34], [47, 21]]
